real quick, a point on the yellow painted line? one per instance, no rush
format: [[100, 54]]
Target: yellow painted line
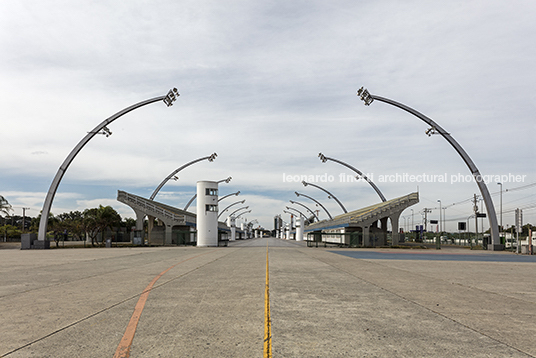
[[123, 350], [267, 350]]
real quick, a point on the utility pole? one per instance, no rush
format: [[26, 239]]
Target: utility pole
[[475, 208], [426, 211], [24, 217]]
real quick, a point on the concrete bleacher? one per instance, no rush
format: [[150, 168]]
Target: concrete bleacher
[[366, 220]]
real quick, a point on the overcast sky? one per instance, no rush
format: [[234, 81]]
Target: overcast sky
[[267, 85]]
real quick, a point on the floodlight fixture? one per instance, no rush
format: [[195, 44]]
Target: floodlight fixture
[[171, 97]]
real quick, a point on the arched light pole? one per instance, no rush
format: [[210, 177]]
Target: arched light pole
[[312, 212], [237, 210], [296, 210], [102, 128], [360, 175], [195, 195], [228, 195], [245, 212], [330, 195], [316, 201], [435, 128], [224, 210], [172, 175]]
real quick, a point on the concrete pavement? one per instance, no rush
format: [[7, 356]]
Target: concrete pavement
[[79, 302]]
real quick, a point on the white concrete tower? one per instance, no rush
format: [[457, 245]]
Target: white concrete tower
[[207, 213]]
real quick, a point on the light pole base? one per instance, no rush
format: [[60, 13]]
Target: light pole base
[[30, 242], [496, 247]]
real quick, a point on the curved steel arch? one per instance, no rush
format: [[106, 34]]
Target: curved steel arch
[[237, 202], [436, 128], [210, 159], [327, 192], [169, 98], [316, 201], [296, 210], [323, 158], [312, 212], [237, 210], [245, 212]]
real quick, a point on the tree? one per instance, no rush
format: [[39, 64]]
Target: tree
[[52, 223], [9, 231], [97, 220], [5, 207], [73, 222]]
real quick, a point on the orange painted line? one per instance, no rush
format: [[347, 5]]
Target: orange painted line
[[267, 349], [123, 350]]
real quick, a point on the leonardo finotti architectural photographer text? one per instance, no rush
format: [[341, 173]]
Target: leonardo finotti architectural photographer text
[[405, 178]]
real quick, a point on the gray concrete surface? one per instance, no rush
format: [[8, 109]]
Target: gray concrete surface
[[78, 302]]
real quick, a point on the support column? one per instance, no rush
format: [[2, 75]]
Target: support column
[[366, 236], [383, 226], [394, 223], [167, 236], [150, 225], [139, 219]]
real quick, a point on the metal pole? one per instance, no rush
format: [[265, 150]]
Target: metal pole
[[312, 212], [238, 202], [210, 159], [327, 192], [323, 158], [296, 210], [440, 221], [245, 212], [316, 201], [242, 208], [501, 222], [436, 128], [43, 223], [228, 195]]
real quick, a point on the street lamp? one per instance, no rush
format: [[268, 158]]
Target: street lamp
[[245, 212], [435, 128], [228, 195], [224, 210], [168, 99], [360, 175], [210, 158], [296, 210], [312, 212], [440, 221], [329, 194], [237, 210], [316, 201]]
